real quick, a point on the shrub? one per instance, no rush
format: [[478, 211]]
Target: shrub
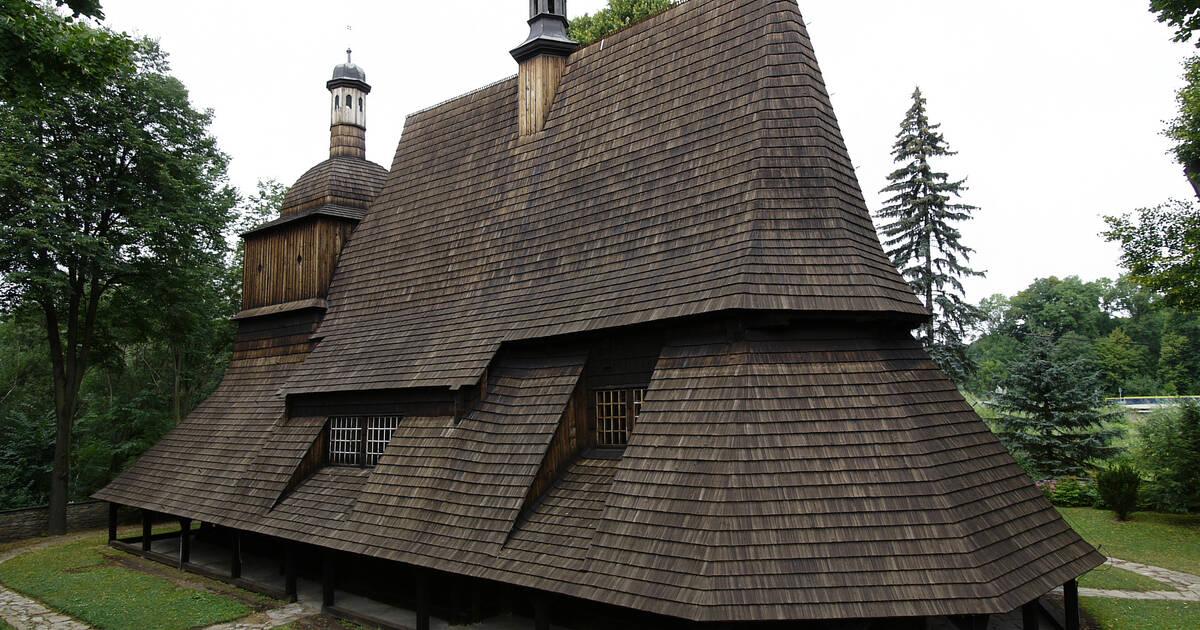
[[1119, 489], [1072, 492], [1167, 451]]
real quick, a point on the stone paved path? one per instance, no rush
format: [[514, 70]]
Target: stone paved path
[[1187, 586], [270, 619], [24, 613]]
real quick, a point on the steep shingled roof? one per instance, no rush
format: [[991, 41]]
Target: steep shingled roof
[[690, 165]]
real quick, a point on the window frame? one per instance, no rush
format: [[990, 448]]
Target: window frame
[[369, 432], [604, 402]]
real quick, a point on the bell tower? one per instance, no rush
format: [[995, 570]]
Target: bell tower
[[543, 59], [348, 114]]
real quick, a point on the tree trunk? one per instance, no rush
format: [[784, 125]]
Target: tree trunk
[[1192, 170], [64, 412], [176, 402]]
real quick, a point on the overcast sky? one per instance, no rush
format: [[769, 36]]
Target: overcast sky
[[1055, 107]]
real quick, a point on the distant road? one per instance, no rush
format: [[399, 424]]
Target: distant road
[[1146, 404]]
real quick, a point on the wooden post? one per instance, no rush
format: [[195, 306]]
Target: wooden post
[[235, 555], [422, 600], [289, 571], [112, 521], [1071, 600], [1030, 614], [541, 612], [185, 541], [328, 579], [147, 529]]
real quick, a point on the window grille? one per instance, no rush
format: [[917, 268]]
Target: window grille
[[344, 439], [379, 435], [617, 411], [360, 440]]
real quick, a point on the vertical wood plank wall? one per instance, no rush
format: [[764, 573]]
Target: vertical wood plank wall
[[538, 79], [294, 262]]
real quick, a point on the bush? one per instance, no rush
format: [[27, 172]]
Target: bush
[[1119, 489], [1167, 451], [1069, 492]]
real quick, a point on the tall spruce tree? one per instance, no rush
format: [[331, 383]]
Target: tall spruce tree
[[918, 224]]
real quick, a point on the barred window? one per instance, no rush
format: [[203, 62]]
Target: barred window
[[360, 440], [617, 411]]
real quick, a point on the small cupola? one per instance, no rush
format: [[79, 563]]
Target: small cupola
[[543, 59], [348, 124]]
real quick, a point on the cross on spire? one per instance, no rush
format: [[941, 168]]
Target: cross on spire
[[348, 53]]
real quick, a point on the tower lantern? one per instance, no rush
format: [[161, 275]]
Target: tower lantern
[[348, 113]]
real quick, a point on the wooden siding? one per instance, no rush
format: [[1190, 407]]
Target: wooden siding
[[348, 141], [539, 79], [295, 262]]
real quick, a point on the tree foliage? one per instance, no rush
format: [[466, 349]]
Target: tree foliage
[[1161, 249], [619, 14], [920, 230], [1168, 451], [42, 50], [1140, 344], [1182, 15], [1052, 412], [113, 204]]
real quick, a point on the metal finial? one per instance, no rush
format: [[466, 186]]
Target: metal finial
[[348, 53]]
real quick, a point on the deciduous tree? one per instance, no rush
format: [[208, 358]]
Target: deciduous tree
[[587, 29], [1161, 249], [102, 188]]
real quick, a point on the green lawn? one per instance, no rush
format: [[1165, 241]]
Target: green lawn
[[1164, 540], [82, 579], [4, 626], [1125, 614], [1113, 579]]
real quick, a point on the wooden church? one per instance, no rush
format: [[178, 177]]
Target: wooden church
[[614, 342]]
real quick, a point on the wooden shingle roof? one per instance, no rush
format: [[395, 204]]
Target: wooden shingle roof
[[690, 165], [813, 469]]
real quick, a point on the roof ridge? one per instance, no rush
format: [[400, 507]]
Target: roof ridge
[[462, 96]]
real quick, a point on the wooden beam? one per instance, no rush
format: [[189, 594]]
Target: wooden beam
[[147, 529], [541, 612], [289, 571], [112, 521], [1071, 601], [235, 554], [185, 541], [328, 579], [1031, 615], [422, 599]]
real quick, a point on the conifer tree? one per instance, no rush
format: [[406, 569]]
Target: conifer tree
[[918, 224], [1052, 412]]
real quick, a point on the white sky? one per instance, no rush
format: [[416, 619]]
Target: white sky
[[1055, 107]]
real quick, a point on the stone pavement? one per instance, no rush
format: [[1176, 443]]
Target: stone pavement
[[1187, 586], [270, 619]]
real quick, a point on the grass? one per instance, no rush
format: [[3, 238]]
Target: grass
[[1114, 579], [4, 626], [1163, 540], [84, 580], [1125, 614]]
